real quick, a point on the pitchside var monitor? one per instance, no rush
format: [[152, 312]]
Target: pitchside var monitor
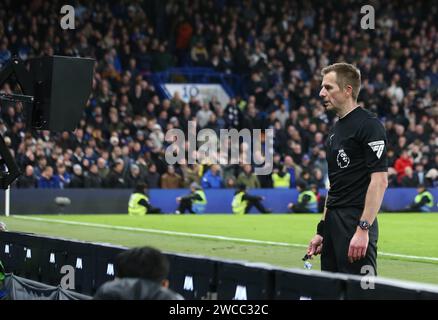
[[62, 86]]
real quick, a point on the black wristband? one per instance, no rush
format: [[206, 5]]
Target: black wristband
[[320, 228]]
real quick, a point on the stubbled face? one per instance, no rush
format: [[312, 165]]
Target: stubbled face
[[334, 98]]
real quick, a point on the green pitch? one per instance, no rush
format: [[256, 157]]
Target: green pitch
[[408, 244]]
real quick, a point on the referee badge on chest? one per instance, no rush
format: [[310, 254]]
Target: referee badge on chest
[[342, 159]]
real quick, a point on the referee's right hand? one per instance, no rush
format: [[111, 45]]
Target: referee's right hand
[[315, 245]]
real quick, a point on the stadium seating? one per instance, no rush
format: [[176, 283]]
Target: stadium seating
[[136, 62]]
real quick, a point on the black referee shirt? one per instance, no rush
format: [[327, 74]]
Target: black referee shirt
[[356, 147]]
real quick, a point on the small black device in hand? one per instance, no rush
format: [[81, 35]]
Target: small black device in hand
[[306, 257]]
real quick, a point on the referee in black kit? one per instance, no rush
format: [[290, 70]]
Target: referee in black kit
[[357, 163]]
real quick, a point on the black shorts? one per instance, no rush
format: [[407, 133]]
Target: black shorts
[[339, 227]]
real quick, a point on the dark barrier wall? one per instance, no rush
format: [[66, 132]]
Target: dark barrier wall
[[305, 284], [193, 280], [194, 277], [42, 201], [237, 281]]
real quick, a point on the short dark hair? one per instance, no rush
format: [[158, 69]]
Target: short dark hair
[[302, 184], [140, 187], [346, 74], [145, 263]]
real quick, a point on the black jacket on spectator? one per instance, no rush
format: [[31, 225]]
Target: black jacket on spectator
[[132, 181], [92, 180], [115, 180], [407, 182], [76, 181], [26, 182], [153, 180], [392, 181], [251, 123]]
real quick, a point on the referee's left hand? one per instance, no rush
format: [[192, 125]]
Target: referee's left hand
[[358, 245]]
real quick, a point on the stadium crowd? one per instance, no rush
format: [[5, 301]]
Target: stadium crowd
[[277, 47]]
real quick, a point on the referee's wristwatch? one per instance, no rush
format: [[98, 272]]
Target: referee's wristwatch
[[364, 225]]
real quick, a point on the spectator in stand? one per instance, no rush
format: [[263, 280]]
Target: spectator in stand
[[47, 180], [402, 163], [102, 168], [420, 173], [115, 178], [199, 54], [230, 182], [62, 176], [391, 157], [92, 178], [134, 176], [282, 115], [42, 164], [171, 179], [410, 179], [212, 179], [28, 180], [77, 178], [392, 178], [319, 179], [293, 169], [203, 115], [190, 173], [248, 178], [432, 178], [153, 177]]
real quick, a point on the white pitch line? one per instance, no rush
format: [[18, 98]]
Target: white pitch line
[[173, 233], [396, 255], [206, 236]]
